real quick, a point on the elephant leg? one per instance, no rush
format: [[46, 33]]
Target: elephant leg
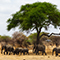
[[45, 53], [9, 52], [18, 53], [6, 52], [27, 52], [42, 52], [23, 53], [56, 54], [36, 52]]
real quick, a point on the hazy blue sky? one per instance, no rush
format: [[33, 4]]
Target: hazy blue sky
[[8, 7]]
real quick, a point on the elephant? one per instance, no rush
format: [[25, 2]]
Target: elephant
[[7, 48], [25, 50], [3, 48], [18, 50], [57, 50], [38, 48]]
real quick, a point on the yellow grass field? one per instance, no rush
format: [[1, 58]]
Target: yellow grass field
[[28, 57], [31, 56]]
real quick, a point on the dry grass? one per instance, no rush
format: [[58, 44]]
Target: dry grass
[[28, 57]]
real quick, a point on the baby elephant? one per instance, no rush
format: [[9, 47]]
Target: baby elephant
[[57, 50], [20, 50], [17, 51]]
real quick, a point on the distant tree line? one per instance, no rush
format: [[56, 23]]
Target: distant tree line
[[19, 39]]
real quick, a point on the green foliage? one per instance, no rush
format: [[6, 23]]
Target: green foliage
[[38, 14], [32, 37], [5, 38]]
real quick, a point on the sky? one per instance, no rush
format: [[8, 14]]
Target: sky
[[9, 7]]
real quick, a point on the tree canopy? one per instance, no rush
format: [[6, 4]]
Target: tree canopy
[[35, 16]]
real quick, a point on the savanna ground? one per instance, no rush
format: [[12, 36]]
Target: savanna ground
[[31, 56]]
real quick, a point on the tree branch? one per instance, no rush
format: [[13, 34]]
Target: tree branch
[[50, 34]]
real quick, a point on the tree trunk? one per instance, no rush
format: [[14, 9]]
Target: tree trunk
[[38, 35], [38, 39]]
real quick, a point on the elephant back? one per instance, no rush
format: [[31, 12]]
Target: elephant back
[[58, 49], [40, 47]]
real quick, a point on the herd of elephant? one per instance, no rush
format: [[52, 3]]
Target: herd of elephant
[[7, 49]]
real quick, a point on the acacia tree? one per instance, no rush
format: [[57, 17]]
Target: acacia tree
[[35, 16]]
